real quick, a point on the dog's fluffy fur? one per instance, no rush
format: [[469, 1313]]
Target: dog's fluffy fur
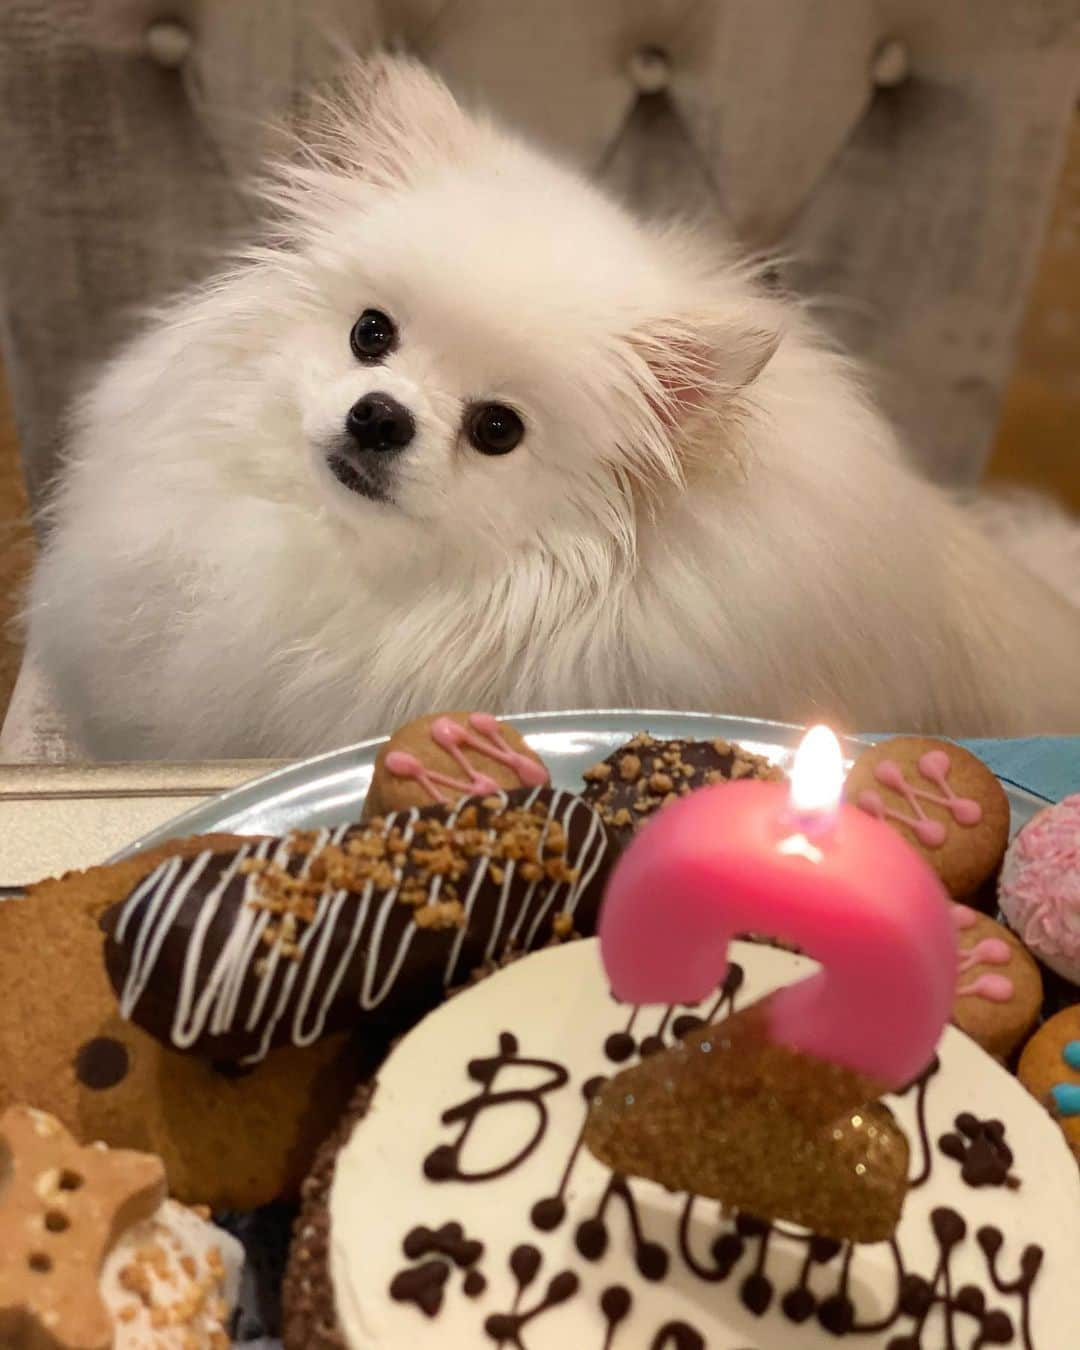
[[705, 512]]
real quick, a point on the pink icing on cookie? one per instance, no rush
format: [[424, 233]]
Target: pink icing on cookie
[[1039, 891], [994, 988], [481, 735], [986, 952], [934, 767]]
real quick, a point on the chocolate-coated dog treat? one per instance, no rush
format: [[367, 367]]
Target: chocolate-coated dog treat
[[287, 940]]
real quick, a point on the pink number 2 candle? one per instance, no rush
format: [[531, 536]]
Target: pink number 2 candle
[[799, 865]]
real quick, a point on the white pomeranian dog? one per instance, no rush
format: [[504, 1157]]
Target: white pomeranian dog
[[461, 432]]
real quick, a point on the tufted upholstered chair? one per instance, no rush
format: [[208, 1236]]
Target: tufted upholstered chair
[[899, 155]]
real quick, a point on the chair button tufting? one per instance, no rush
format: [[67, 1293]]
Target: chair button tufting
[[649, 69], [168, 43], [891, 64]]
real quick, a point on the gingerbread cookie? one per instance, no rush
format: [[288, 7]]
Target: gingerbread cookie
[[286, 941], [232, 1141], [95, 1256], [446, 756], [999, 990], [1050, 1069], [643, 775], [943, 800], [1039, 889]]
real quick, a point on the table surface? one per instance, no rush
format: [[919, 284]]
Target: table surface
[[54, 818]]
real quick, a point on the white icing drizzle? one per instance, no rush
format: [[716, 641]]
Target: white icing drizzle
[[149, 940], [467, 909], [526, 899], [367, 1000], [194, 1010], [575, 891], [211, 1003]]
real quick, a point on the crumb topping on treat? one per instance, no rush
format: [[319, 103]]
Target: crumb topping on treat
[[431, 851], [176, 1293], [168, 1283], [292, 939], [647, 774]]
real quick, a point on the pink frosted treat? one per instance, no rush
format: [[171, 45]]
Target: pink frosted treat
[[1039, 890], [447, 756]]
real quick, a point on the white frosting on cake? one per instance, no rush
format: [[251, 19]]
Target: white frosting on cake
[[557, 1005], [171, 1282]]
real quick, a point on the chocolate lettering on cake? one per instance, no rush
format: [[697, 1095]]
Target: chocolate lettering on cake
[[677, 1336], [525, 1262], [620, 1045], [979, 1147], [444, 1162], [918, 1296], [591, 1237], [287, 940], [991, 1240], [549, 1212], [743, 1247], [615, 1304], [921, 1175]]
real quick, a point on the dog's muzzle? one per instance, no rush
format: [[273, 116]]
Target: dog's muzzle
[[379, 422], [377, 429]]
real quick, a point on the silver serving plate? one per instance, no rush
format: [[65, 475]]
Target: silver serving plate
[[330, 789]]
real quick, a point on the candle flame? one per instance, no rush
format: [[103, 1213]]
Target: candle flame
[[817, 778]]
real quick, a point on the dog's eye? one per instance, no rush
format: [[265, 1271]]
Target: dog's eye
[[494, 428], [372, 336]]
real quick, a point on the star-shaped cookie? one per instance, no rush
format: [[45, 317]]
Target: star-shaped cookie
[[62, 1207]]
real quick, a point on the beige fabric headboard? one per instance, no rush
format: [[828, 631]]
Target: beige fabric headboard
[[901, 154]]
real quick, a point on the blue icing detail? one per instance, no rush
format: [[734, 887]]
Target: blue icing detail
[[1066, 1098], [1071, 1054]]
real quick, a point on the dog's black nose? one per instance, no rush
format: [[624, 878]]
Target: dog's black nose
[[379, 422]]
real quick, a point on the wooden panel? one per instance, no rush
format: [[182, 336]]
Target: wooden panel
[[1038, 443], [16, 548]]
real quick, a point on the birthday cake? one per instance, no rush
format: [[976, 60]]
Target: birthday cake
[[457, 1207]]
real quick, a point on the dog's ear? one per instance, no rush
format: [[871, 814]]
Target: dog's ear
[[697, 362], [388, 117]]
